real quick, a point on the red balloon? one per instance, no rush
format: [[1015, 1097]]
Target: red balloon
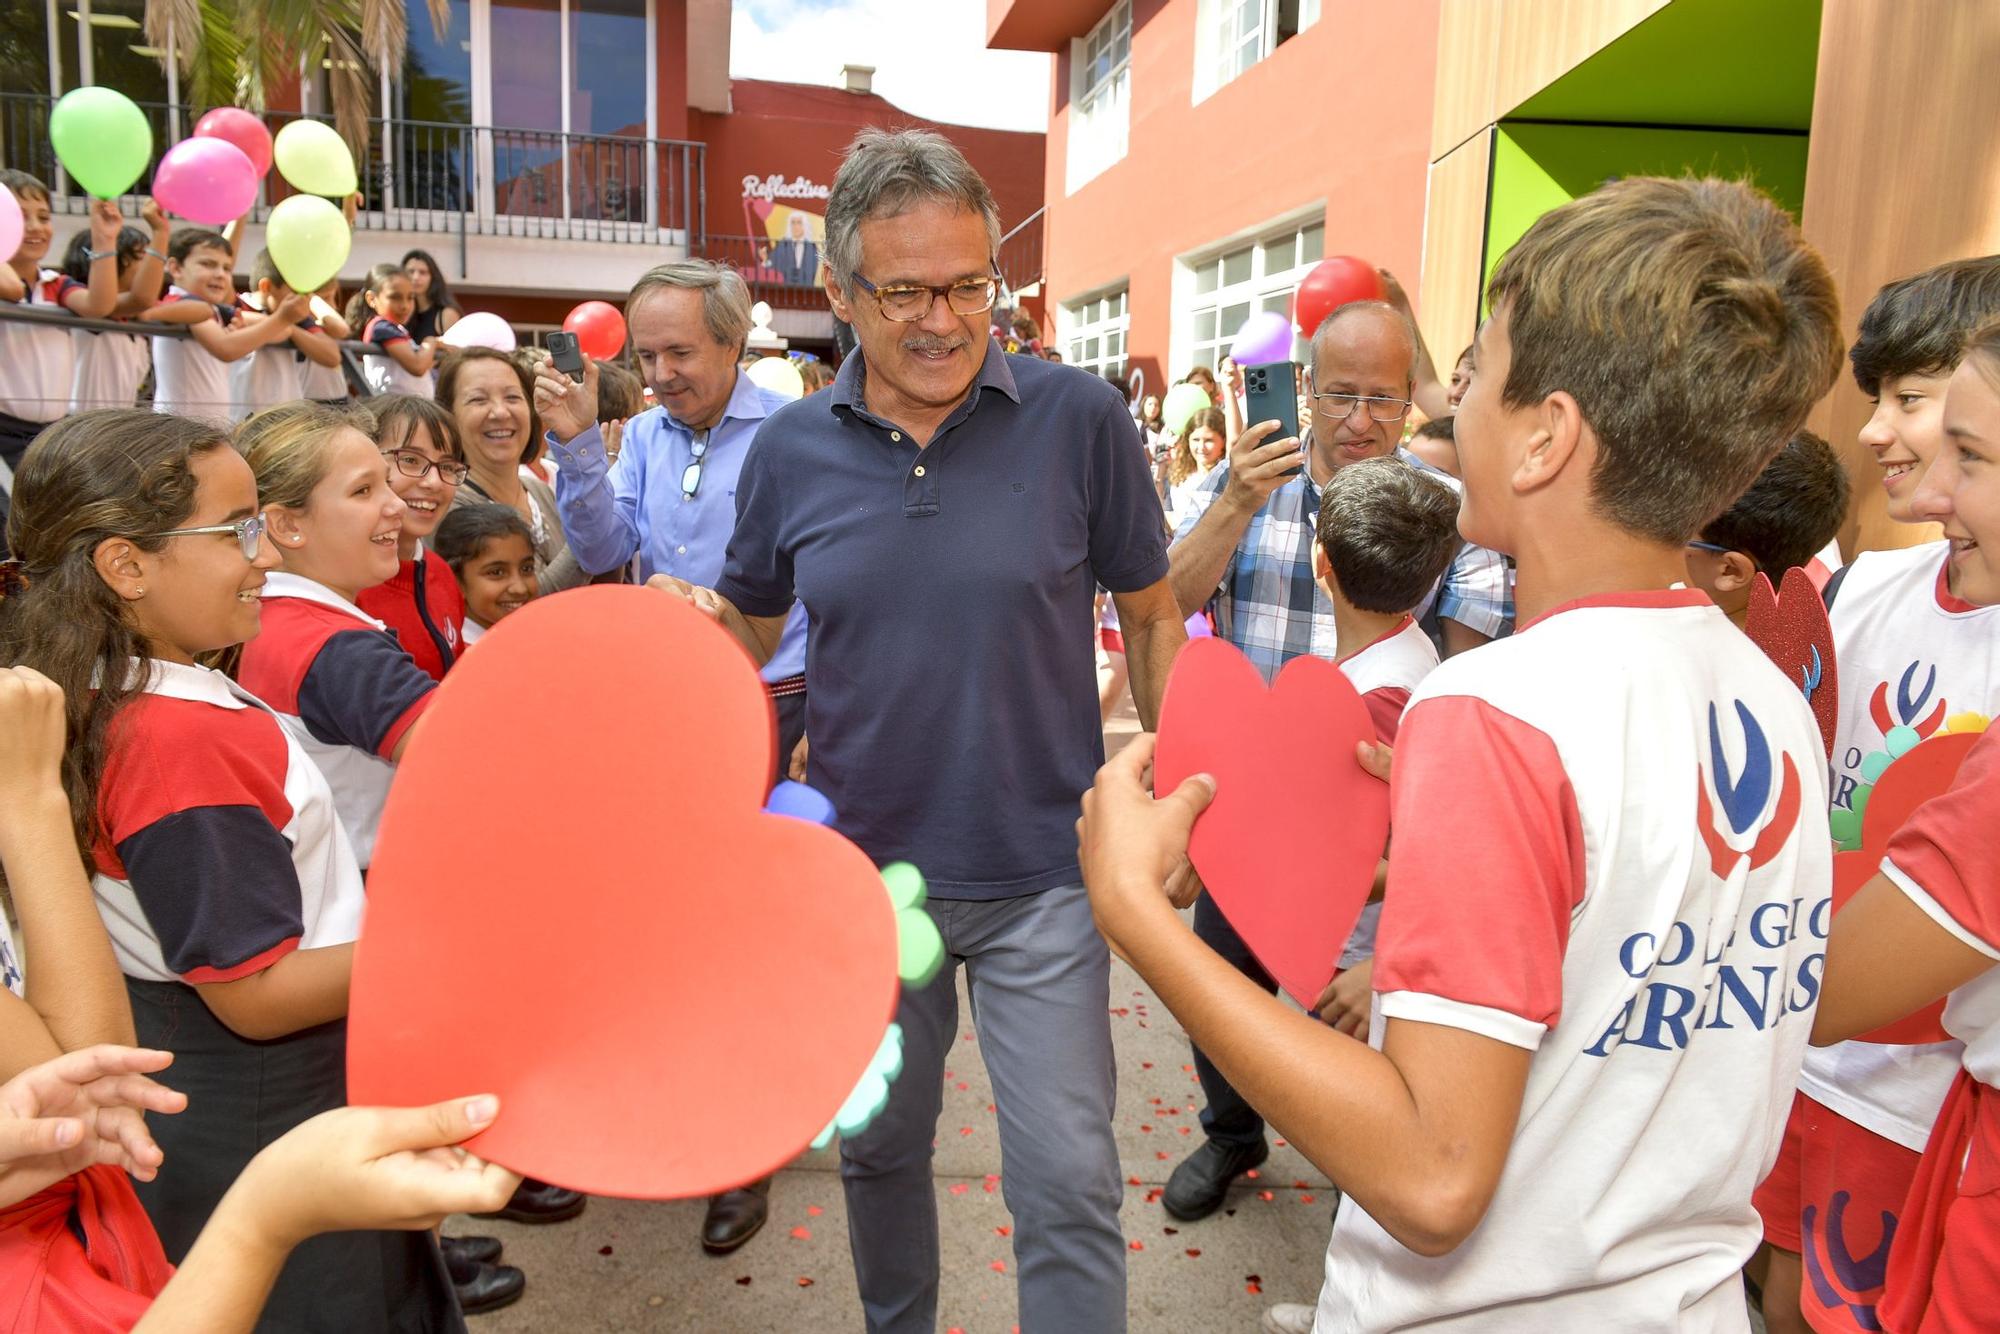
[[599, 329], [1333, 283], [237, 126]]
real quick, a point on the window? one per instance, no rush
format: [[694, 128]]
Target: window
[[1096, 334], [1232, 285], [1100, 96], [1233, 35]]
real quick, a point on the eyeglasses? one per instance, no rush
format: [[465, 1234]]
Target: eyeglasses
[[906, 303], [691, 475], [1715, 547], [248, 532], [1341, 406], [412, 464]]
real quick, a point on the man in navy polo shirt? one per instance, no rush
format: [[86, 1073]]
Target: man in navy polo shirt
[[944, 514]]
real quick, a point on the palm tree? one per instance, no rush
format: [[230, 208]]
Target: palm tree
[[231, 51]]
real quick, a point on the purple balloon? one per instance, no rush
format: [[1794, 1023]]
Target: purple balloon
[[206, 180], [1264, 338]]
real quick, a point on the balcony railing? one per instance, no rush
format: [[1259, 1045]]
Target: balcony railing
[[462, 180], [775, 275], [1021, 253]]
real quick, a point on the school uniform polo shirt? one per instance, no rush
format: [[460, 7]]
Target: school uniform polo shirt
[[951, 690]]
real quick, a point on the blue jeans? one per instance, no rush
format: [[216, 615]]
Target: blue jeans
[[1040, 981]]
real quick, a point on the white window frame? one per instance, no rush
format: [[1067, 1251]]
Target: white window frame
[[1220, 38], [1100, 97], [1268, 285], [1094, 337]]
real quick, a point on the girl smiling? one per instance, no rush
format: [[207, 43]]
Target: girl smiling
[[421, 603]]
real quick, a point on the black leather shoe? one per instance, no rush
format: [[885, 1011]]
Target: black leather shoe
[[735, 1216], [539, 1202], [474, 1250], [485, 1287], [1198, 1185]]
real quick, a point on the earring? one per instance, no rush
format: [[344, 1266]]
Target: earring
[[139, 592]]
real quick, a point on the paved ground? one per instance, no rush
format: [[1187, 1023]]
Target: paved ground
[[629, 1266]]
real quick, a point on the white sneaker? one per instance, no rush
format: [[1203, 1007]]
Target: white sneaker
[[1289, 1318]]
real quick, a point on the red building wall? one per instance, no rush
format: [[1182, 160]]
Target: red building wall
[[1341, 112]]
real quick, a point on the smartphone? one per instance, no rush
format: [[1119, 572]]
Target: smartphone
[[1270, 393], [566, 354]]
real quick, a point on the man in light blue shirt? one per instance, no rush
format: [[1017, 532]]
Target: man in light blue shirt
[[670, 498]]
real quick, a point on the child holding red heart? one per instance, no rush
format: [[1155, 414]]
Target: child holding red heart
[[1913, 645], [1930, 922], [1596, 968], [231, 895]]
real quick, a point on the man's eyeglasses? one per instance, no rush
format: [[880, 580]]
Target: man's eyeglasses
[[412, 464], [1341, 406], [906, 303], [1715, 547], [248, 532], [691, 475]]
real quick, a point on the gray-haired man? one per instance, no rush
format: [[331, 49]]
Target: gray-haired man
[[670, 498], [963, 505]]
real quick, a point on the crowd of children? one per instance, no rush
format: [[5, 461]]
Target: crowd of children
[[1562, 1076]]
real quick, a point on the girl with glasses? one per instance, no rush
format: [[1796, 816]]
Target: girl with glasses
[[230, 893], [421, 602]]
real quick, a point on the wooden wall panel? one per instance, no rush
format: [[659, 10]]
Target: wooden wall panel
[[1902, 173], [1495, 54], [1454, 244]]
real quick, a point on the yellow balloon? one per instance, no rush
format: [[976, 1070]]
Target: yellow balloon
[[314, 159], [308, 240]]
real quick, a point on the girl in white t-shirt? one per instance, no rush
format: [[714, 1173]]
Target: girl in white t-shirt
[[382, 311], [1203, 444]]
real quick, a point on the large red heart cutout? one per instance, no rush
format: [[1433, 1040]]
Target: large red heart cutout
[[1288, 849], [577, 904], [1924, 771], [1791, 626]]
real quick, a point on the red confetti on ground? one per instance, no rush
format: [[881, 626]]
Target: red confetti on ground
[[965, 1130], [992, 1184], [1154, 1194], [805, 1282], [1266, 1196], [1252, 1174], [965, 1037], [947, 1074], [814, 1211], [1147, 1065], [1145, 1130], [1186, 1131], [1131, 1181], [1194, 1252], [1281, 1144], [802, 1234], [1253, 1288], [1305, 1199], [990, 1108], [1138, 993], [1162, 1154], [1136, 1244], [1187, 1067], [1004, 1230], [960, 1188], [743, 1282], [998, 1266], [955, 1330], [963, 1086], [1299, 1185], [604, 1250], [1171, 1231]]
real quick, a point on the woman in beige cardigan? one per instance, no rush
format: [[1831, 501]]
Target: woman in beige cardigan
[[490, 394]]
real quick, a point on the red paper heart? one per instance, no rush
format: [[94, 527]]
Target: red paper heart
[[1791, 627], [1289, 847], [576, 904], [1925, 770]]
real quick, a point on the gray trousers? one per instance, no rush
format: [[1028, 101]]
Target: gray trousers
[[1040, 981]]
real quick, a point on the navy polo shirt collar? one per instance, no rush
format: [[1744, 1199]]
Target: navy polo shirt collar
[[922, 496], [993, 374]]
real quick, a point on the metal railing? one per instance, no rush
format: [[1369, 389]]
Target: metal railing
[[1020, 255], [462, 180], [769, 269]]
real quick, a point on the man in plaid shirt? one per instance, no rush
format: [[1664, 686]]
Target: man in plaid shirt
[[1247, 542]]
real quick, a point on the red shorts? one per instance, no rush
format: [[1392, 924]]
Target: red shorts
[[1833, 1197], [1111, 641]]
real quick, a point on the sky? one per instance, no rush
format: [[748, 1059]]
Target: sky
[[930, 56]]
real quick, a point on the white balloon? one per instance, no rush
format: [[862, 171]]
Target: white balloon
[[778, 375], [480, 328]]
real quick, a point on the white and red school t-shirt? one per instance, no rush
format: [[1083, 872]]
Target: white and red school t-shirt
[[187, 378], [1632, 882], [268, 376], [385, 375], [424, 605], [1384, 673], [221, 850], [108, 369], [37, 361], [1910, 654], [343, 687]]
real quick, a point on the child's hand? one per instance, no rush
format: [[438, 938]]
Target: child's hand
[[155, 218], [1129, 844], [705, 600], [358, 1168], [78, 1110], [32, 733], [292, 309], [1344, 1003], [568, 409], [105, 224], [1375, 757]]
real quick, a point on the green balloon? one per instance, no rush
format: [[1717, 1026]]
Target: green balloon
[[1183, 401], [314, 159], [905, 884], [308, 240], [919, 947], [102, 139]]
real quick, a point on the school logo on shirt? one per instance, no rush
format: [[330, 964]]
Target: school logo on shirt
[[1835, 1275], [1908, 710], [1744, 797]]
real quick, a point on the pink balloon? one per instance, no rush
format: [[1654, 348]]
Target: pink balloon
[[206, 180], [10, 224], [239, 127]]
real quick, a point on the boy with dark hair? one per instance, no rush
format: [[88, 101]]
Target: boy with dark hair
[[1786, 518], [1435, 443], [191, 375], [1593, 989], [1911, 651], [275, 373]]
